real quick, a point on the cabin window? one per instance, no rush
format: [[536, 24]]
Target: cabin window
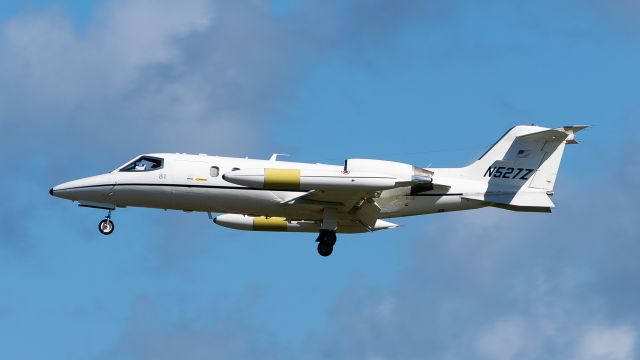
[[214, 171], [234, 169], [144, 163]]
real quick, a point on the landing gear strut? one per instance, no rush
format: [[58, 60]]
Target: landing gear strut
[[326, 240], [106, 226]]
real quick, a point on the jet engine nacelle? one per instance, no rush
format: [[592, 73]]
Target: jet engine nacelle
[[407, 173]]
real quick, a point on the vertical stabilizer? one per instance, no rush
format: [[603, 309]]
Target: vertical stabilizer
[[524, 157], [520, 170]]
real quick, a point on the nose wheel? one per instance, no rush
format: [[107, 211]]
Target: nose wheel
[[106, 226], [326, 240]]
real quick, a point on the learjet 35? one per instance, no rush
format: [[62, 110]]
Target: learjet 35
[[517, 173]]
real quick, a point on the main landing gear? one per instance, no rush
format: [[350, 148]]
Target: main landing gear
[[326, 240], [106, 226]]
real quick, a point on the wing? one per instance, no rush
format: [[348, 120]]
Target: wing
[[360, 207], [350, 191], [353, 206]]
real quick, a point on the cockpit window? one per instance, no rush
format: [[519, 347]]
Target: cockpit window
[[144, 163]]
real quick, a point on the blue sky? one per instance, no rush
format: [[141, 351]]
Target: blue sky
[[87, 85]]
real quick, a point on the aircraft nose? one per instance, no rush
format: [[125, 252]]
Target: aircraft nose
[[95, 188]]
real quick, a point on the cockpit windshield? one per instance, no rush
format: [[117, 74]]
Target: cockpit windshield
[[144, 163]]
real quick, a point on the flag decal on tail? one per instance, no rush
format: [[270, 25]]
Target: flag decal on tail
[[523, 154]]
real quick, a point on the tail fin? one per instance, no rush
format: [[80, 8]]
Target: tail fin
[[521, 167]]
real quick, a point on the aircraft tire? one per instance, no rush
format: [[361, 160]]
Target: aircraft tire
[[324, 249], [106, 227], [327, 237]]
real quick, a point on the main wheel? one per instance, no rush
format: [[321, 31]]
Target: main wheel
[[325, 249], [327, 237], [106, 227]]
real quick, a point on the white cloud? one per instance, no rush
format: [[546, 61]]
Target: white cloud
[[504, 340], [194, 76], [607, 343], [135, 75], [62, 69], [144, 31]]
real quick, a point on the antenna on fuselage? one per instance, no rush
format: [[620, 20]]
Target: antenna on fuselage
[[274, 157]]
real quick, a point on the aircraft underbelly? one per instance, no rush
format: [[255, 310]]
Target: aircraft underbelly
[[417, 205], [265, 203], [196, 199], [143, 196]]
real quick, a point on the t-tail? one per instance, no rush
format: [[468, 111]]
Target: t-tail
[[519, 171]]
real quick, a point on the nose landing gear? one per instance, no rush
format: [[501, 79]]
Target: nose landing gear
[[106, 226], [326, 240]]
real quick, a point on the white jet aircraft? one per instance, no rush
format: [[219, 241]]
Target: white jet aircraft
[[517, 173]]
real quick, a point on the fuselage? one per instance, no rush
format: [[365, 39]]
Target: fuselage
[[196, 183]]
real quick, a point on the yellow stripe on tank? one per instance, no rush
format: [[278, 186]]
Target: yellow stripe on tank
[[282, 179], [262, 223]]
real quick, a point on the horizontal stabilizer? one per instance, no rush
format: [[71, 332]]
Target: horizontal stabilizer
[[572, 130], [565, 133]]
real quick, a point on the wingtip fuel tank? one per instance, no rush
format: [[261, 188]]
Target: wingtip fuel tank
[[262, 223], [309, 179]]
